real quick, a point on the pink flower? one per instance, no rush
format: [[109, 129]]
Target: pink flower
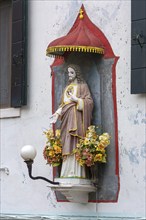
[[85, 153], [89, 157], [88, 163]]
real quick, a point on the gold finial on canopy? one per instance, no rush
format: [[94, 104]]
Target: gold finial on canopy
[[81, 13]]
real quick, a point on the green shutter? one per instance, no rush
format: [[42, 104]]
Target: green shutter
[[19, 61], [138, 47]]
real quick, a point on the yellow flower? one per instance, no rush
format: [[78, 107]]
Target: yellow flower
[[93, 141], [78, 145], [101, 145], [86, 141], [81, 162], [57, 142], [101, 137], [104, 159], [96, 142], [49, 133], [48, 145], [101, 149], [98, 157], [105, 142], [95, 136], [51, 154], [57, 133], [89, 135], [57, 149], [91, 128], [106, 135]]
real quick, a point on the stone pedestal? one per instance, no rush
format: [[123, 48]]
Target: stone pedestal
[[74, 189]]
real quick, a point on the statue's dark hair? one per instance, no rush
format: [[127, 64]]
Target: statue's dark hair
[[78, 72]]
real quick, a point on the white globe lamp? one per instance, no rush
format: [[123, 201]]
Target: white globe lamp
[[28, 152]]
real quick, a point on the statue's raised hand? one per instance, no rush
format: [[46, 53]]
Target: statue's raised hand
[[73, 98], [54, 118]]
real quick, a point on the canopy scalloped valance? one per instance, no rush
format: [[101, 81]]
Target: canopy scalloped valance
[[82, 37]]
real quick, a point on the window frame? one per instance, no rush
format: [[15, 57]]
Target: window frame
[[18, 60]]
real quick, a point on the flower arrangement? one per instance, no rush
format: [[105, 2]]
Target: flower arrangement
[[53, 148], [91, 149]]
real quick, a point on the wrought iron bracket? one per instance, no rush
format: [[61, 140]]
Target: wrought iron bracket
[[29, 166]]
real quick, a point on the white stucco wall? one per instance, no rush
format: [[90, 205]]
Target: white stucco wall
[[47, 21]]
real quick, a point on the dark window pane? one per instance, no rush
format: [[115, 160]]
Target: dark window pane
[[138, 81], [18, 79], [138, 9], [139, 27], [138, 57], [5, 52]]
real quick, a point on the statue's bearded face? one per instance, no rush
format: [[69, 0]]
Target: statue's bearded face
[[71, 74]]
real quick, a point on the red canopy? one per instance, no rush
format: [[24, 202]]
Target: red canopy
[[83, 37]]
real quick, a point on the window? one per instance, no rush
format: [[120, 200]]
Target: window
[[13, 14], [138, 47], [5, 52]]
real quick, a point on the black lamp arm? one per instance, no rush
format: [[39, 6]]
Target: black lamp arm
[[29, 166]]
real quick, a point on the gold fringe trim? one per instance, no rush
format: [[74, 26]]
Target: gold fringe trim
[[71, 177], [51, 51]]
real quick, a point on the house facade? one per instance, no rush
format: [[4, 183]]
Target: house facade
[[23, 124]]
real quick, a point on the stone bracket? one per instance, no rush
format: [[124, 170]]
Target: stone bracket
[[74, 189]]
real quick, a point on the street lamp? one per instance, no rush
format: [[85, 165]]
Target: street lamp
[[28, 153]]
